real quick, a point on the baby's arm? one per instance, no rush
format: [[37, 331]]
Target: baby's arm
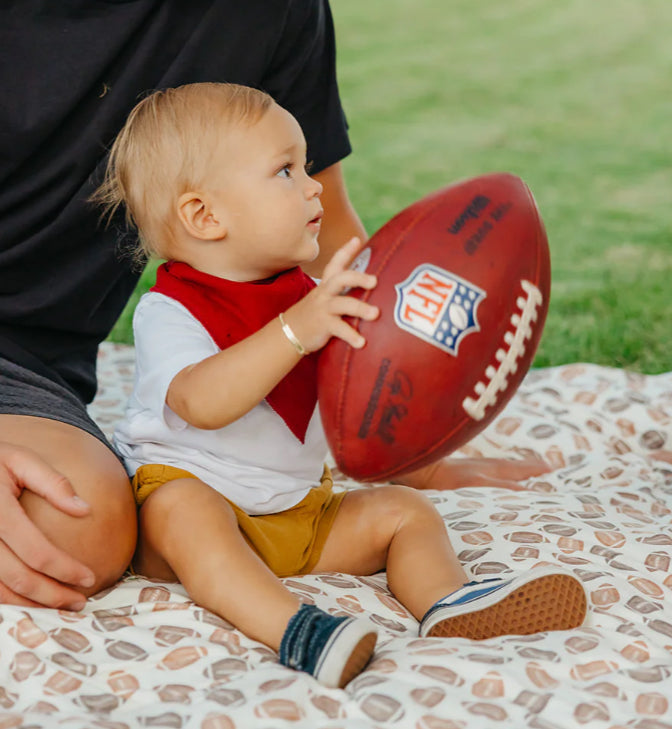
[[220, 389]]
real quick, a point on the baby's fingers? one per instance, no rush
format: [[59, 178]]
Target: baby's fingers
[[348, 334], [342, 258], [348, 306], [347, 280]]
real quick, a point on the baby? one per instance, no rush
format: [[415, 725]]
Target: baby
[[222, 434]]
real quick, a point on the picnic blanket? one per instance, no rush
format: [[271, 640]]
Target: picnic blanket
[[143, 655]]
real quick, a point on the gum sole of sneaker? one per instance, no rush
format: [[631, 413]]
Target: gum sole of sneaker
[[358, 659], [552, 602]]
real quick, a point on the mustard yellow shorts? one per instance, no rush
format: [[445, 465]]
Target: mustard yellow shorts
[[290, 542]]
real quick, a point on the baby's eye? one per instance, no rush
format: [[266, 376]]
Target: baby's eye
[[285, 171]]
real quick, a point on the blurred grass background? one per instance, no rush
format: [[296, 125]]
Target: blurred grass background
[[573, 96]]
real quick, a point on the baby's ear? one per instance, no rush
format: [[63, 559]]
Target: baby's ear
[[199, 217]]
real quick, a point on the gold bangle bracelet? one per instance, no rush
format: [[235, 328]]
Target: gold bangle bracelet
[[287, 331]]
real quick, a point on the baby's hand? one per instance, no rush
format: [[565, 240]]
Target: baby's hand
[[318, 316]]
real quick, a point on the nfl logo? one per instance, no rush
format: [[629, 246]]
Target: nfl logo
[[437, 306]]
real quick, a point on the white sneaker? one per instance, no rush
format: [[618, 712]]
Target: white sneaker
[[332, 649], [346, 652], [545, 598]]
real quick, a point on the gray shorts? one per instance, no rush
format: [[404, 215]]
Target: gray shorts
[[24, 392]]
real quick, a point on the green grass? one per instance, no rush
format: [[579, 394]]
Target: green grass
[[574, 97]]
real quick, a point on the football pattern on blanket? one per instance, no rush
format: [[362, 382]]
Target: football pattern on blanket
[[142, 655]]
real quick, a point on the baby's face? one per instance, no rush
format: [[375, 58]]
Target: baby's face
[[274, 209]]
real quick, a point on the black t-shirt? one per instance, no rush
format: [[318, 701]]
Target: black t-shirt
[[70, 72]]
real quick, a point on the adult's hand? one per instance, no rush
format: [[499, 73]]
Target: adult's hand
[[32, 570], [455, 473]]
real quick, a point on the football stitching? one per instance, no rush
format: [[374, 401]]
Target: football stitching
[[506, 356]]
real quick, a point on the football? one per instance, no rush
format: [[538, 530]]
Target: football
[[463, 289]]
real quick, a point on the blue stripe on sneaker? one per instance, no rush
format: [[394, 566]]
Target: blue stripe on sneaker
[[467, 593], [474, 594]]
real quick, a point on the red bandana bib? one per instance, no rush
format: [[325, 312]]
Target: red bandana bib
[[232, 310]]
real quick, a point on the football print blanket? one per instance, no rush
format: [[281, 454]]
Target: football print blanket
[[143, 655]]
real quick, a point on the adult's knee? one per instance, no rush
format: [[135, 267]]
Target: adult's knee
[[104, 540]]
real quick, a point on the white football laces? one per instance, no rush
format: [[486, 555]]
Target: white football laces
[[496, 379]]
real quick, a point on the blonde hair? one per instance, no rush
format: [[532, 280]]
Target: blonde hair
[[164, 150]]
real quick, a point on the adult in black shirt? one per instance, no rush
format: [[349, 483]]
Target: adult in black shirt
[[69, 74]]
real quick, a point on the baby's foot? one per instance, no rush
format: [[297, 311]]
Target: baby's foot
[[333, 650], [545, 598]]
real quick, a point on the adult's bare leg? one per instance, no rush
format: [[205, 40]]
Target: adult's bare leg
[[103, 538], [455, 473]]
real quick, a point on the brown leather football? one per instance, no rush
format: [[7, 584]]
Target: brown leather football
[[463, 289]]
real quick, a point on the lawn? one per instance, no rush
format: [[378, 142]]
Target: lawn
[[574, 97]]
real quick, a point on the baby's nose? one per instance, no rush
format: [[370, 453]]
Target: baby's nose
[[315, 187]]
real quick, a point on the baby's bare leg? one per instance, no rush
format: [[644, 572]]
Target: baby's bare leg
[[398, 529], [189, 532]]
